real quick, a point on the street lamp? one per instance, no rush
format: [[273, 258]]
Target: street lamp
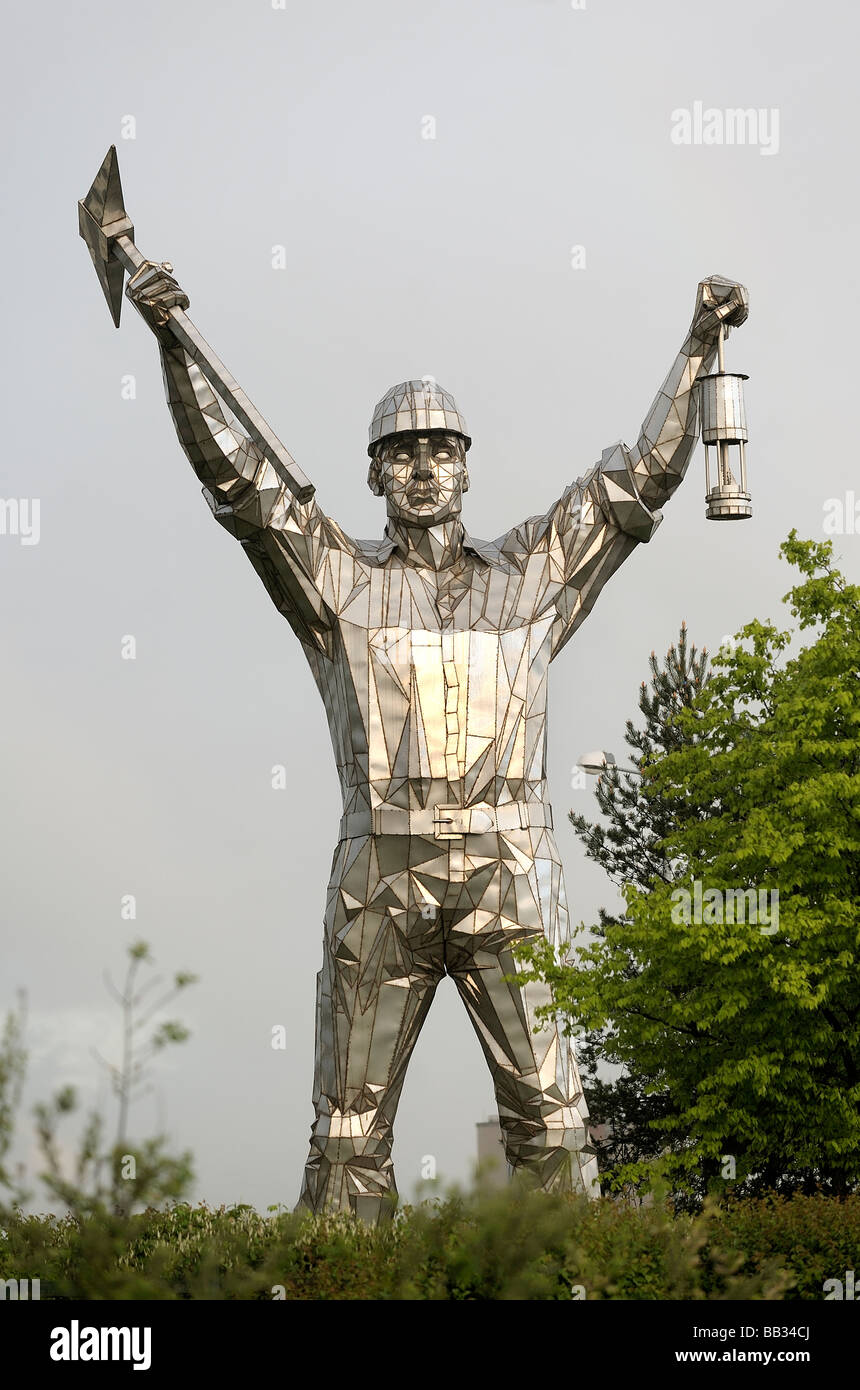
[[599, 761]]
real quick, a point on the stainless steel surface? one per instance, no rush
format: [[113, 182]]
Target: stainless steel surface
[[724, 426], [431, 653], [418, 406], [109, 236]]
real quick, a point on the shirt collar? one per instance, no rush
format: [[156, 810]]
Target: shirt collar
[[485, 550]]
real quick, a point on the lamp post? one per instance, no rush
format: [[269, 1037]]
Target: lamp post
[[599, 761]]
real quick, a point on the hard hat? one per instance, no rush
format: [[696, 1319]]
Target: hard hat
[[416, 405]]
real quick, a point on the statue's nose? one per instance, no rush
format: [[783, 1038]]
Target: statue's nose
[[422, 467]]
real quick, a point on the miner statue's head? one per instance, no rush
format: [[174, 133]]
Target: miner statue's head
[[418, 443]]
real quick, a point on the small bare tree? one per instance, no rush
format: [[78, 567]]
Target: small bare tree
[[140, 1003]]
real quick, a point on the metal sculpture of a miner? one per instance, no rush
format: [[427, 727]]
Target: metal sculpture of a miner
[[431, 652]]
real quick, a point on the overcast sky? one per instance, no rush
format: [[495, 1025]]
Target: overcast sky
[[242, 128]]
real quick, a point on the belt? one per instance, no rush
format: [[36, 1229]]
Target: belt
[[446, 822]]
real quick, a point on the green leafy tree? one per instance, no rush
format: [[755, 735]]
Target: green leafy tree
[[628, 845], [626, 1109], [733, 983]]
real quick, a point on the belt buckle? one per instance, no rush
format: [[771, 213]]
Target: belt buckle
[[453, 822], [450, 822]]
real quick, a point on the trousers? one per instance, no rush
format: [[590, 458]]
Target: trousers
[[402, 911]]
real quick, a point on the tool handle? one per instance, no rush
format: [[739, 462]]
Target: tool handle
[[224, 384]]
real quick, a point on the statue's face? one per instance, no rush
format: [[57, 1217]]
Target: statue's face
[[423, 476]]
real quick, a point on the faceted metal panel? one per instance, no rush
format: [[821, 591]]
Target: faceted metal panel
[[431, 652], [723, 408], [416, 405], [101, 218], [404, 910]]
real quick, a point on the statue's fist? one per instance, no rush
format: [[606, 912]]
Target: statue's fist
[[719, 301], [153, 290]]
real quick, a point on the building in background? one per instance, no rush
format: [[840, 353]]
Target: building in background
[[491, 1152]]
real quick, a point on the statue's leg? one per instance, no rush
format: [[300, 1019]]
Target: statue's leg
[[509, 897], [381, 963]]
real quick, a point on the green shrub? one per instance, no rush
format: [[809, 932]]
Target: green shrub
[[515, 1244]]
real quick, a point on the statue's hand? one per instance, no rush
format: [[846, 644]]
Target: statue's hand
[[153, 290], [719, 301]]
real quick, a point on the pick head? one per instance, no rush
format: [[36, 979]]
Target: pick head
[[101, 219]]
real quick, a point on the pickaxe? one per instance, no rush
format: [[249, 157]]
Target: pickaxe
[[109, 234]]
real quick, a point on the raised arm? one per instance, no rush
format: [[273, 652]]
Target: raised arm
[[285, 540], [628, 486], [597, 522], [657, 465]]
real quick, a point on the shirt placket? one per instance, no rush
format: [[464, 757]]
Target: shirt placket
[[452, 709]]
